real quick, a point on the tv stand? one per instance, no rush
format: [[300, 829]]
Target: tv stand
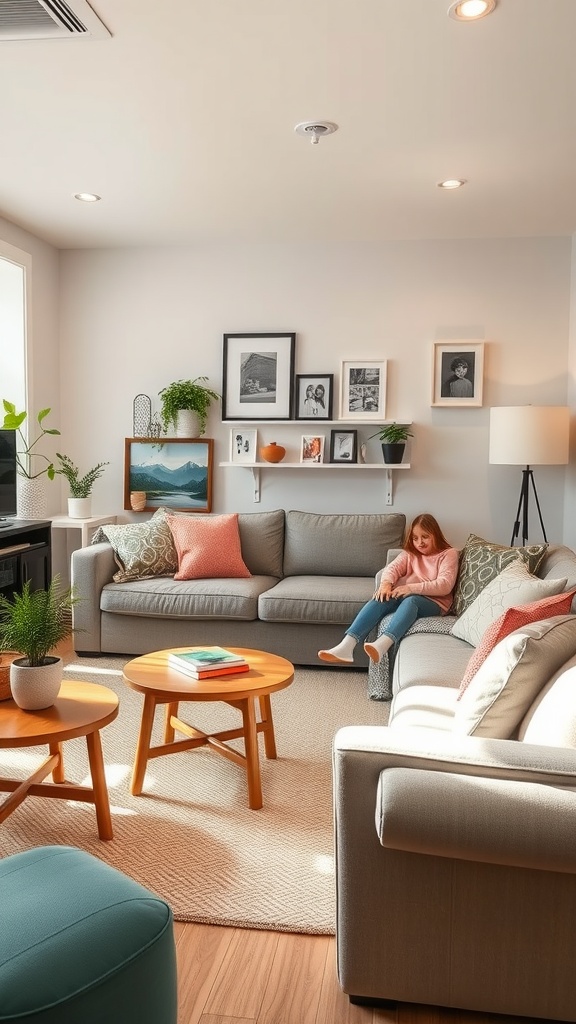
[[25, 555]]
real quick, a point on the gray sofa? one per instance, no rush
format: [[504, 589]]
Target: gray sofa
[[311, 574], [456, 853]]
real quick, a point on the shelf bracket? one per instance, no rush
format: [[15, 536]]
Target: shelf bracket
[[256, 476], [389, 500]]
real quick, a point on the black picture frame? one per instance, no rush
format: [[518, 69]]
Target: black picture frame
[[258, 376], [313, 407], [164, 457], [344, 446]]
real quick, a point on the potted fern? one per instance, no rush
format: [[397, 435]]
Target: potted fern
[[79, 504], [186, 396], [32, 464], [393, 437], [33, 623]]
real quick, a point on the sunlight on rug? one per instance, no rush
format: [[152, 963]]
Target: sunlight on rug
[[191, 837]]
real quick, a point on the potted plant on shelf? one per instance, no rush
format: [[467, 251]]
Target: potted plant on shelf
[[79, 503], [186, 396], [393, 437], [33, 623], [31, 493]]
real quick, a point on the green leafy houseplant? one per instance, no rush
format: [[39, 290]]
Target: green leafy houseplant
[[80, 486], [13, 421], [186, 394], [392, 433], [34, 622]]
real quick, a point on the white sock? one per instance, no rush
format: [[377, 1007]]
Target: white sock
[[344, 651], [377, 649]]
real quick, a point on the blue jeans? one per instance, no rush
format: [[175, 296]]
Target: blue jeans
[[406, 611]]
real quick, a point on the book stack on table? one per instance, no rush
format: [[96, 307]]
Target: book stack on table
[[207, 661]]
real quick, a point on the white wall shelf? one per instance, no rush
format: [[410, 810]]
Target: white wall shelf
[[308, 467]]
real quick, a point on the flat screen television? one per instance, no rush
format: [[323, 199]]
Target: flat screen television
[[7, 476]]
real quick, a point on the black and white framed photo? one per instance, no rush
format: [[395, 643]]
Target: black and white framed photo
[[313, 396], [258, 376], [312, 448], [457, 373], [243, 445], [344, 446], [363, 390]]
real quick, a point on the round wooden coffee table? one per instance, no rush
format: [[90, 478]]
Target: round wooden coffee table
[[80, 709], [161, 684]]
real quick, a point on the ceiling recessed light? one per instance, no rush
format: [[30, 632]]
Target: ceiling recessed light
[[315, 130], [87, 197], [451, 183], [471, 10]]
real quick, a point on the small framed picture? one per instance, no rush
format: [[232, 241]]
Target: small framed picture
[[344, 446], [243, 445], [363, 390], [313, 396], [173, 471], [258, 376], [457, 373], [312, 448]]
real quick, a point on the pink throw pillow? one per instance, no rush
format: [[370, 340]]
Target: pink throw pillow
[[207, 547], [511, 619]]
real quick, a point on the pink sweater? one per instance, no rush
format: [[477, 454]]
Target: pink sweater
[[432, 576]]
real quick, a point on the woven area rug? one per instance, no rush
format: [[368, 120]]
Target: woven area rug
[[191, 837]]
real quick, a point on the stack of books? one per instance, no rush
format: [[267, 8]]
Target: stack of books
[[209, 661]]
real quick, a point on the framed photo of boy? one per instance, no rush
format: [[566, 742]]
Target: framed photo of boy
[[313, 396], [243, 445], [312, 448], [258, 376], [363, 390], [457, 373], [344, 446]]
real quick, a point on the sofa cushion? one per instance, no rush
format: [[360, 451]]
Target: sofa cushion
[[261, 538], [551, 719], [142, 549], [425, 706], [515, 585], [187, 599], [514, 618], [339, 545], [481, 560], [315, 599], [513, 674], [208, 547]]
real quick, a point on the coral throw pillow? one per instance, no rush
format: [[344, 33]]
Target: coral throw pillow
[[207, 547], [511, 619]]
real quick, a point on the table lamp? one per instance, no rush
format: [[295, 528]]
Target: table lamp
[[528, 435]]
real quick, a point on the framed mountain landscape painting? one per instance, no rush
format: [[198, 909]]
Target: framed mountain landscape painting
[[174, 473]]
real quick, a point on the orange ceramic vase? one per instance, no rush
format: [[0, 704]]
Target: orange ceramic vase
[[273, 452]]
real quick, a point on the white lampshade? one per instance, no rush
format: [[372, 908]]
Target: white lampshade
[[529, 435]]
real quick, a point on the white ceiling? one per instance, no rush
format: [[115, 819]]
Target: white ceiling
[[183, 121]]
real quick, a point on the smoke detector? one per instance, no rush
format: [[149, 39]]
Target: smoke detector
[[315, 130]]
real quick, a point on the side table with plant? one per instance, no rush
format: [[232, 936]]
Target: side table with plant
[[79, 504], [186, 396], [393, 437]]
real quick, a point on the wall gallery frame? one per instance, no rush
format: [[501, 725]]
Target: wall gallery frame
[[258, 376], [243, 445], [457, 373], [312, 448], [363, 390], [344, 446], [174, 472], [313, 396]]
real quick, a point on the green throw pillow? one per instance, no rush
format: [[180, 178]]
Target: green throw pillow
[[142, 549], [481, 561]]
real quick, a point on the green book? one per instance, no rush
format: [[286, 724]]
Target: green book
[[208, 657]]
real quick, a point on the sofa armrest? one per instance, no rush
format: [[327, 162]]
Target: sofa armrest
[[91, 568]]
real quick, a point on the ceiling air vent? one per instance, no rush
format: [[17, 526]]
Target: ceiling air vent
[[49, 19]]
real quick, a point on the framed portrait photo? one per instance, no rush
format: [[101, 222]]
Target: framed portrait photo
[[313, 396], [258, 376], [243, 445], [363, 390], [457, 373], [344, 446], [173, 472], [312, 448]]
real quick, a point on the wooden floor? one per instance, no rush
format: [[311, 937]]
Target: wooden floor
[[240, 976]]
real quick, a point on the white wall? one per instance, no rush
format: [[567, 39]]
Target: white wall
[[134, 320]]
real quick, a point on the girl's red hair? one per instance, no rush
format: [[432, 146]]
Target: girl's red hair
[[426, 522]]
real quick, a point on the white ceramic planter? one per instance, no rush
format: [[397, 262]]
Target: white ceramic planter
[[35, 688], [31, 498], [187, 423], [79, 508]]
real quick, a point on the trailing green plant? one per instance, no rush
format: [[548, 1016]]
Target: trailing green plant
[[34, 622], [392, 433], [80, 486], [186, 394], [25, 450]]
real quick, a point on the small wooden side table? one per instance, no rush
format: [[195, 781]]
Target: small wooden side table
[[81, 709]]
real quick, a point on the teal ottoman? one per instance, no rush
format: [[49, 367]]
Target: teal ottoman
[[80, 943]]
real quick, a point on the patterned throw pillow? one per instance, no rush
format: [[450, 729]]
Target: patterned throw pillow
[[511, 619], [208, 547], [481, 560], [142, 550]]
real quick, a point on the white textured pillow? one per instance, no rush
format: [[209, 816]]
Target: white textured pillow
[[506, 684], [515, 585]]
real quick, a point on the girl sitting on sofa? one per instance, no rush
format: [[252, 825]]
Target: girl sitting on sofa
[[417, 583]]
